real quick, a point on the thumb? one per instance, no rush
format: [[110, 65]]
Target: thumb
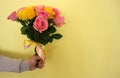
[[37, 57]]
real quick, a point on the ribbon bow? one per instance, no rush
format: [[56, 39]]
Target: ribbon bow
[[39, 50]]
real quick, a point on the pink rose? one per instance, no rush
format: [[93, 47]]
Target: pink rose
[[40, 24], [12, 16], [39, 8], [59, 21], [57, 12], [43, 13]]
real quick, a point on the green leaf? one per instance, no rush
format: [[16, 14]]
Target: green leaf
[[51, 29], [50, 39], [31, 22], [50, 21], [24, 30], [41, 41], [56, 36], [30, 33], [23, 23], [36, 36]]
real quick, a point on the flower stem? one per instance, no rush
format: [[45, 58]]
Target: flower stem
[[36, 55], [35, 51]]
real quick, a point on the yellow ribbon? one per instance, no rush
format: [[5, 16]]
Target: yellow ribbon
[[39, 50], [28, 43]]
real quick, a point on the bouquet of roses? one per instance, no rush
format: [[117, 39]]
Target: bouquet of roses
[[39, 24]]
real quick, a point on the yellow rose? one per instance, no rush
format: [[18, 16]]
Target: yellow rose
[[26, 13], [50, 11]]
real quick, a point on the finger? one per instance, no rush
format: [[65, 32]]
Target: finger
[[41, 65], [41, 62], [37, 57], [33, 67]]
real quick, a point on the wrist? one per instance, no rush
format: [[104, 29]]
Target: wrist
[[24, 66]]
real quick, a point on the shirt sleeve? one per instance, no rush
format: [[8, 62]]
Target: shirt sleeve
[[13, 65]]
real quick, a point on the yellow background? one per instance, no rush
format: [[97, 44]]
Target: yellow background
[[90, 47]]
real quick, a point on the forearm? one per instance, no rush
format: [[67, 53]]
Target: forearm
[[13, 65]]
